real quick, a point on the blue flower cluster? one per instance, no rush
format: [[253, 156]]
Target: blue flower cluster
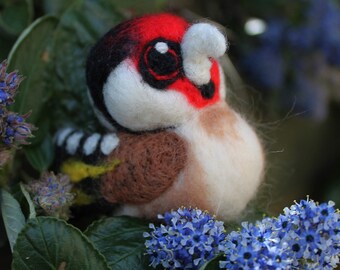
[[9, 83], [291, 57], [254, 247], [52, 193], [305, 236], [14, 131], [189, 238]]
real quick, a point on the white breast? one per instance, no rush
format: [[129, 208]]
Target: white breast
[[227, 159]]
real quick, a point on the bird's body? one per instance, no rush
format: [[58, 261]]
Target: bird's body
[[223, 167], [156, 84]]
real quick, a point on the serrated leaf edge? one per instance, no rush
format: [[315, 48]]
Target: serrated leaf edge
[[93, 226], [98, 222]]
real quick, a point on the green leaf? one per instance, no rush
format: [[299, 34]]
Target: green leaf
[[212, 264], [79, 28], [120, 240], [40, 156], [12, 215], [51, 54], [30, 55], [27, 196], [231, 226], [15, 16], [49, 243]]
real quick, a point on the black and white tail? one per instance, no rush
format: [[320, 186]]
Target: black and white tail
[[86, 146]]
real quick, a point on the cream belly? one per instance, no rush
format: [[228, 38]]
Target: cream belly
[[223, 171], [227, 160]]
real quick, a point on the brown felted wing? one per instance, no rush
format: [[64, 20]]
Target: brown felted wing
[[150, 163]]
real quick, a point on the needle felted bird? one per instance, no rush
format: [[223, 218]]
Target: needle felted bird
[[157, 86]]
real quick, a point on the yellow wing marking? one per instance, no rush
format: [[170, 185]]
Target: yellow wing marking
[[78, 170]]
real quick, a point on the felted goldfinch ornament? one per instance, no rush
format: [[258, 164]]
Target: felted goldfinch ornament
[[157, 86]]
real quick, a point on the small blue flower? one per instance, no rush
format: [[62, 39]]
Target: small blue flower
[[189, 238], [10, 132], [9, 83], [11, 118], [14, 130], [5, 98]]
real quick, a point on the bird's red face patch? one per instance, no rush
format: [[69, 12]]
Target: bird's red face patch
[[158, 58], [196, 96]]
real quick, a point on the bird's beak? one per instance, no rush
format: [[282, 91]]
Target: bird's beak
[[200, 43]]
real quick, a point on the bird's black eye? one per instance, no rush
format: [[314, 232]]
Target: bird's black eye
[[160, 63]]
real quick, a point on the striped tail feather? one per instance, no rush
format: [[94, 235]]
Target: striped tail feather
[[84, 146], [80, 154]]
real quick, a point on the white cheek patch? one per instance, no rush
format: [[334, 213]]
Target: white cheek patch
[[136, 105], [109, 143]]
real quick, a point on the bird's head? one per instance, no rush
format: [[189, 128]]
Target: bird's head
[[155, 72]]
